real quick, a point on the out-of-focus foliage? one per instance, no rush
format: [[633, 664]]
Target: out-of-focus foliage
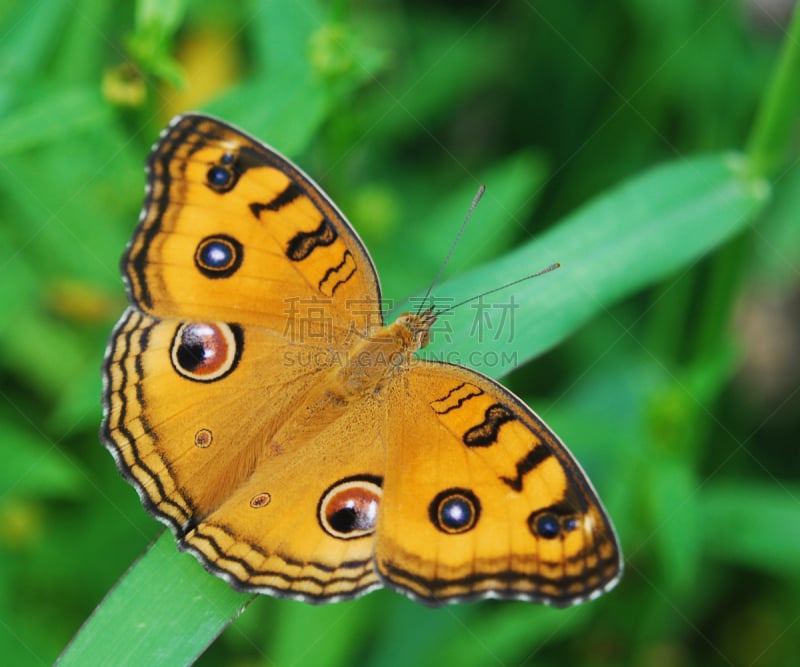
[[681, 400]]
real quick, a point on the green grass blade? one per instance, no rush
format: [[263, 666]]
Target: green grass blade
[[776, 120], [164, 611]]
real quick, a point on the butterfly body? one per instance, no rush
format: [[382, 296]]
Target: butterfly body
[[292, 441], [379, 359]]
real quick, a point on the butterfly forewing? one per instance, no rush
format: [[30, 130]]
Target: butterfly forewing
[[496, 505], [233, 231]]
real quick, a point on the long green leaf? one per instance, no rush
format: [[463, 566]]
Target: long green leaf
[[630, 237], [164, 611]]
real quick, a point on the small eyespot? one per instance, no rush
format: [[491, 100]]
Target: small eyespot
[[260, 500], [206, 351], [218, 256], [549, 524], [219, 177], [455, 510], [223, 176], [203, 438], [349, 508]]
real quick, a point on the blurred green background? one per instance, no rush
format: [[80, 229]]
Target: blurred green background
[[681, 401]]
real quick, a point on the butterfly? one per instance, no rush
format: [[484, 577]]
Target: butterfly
[[292, 440]]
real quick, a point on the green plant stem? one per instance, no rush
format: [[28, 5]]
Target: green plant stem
[[672, 301], [777, 118], [779, 111], [723, 287]]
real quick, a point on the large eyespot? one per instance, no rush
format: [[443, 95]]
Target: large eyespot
[[455, 510], [206, 351], [349, 508], [222, 177], [218, 256], [549, 524]]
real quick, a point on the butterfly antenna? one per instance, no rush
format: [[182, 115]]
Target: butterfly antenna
[[450, 252], [541, 272]]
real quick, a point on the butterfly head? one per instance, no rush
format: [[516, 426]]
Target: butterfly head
[[417, 327]]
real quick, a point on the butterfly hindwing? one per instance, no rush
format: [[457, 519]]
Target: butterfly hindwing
[[303, 524]]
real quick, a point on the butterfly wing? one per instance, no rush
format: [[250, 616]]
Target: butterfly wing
[[481, 499], [232, 465], [231, 230], [245, 282], [302, 526]]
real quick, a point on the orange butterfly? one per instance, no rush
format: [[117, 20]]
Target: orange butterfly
[[291, 440]]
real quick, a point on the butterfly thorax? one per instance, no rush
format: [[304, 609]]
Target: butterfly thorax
[[375, 360], [367, 369]]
